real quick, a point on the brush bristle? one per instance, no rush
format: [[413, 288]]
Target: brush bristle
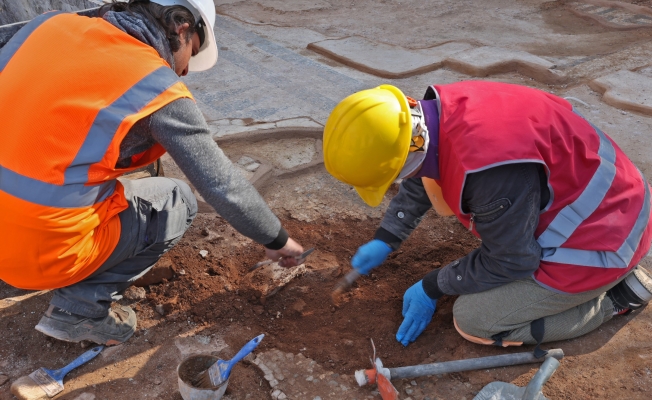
[[203, 380], [24, 388]]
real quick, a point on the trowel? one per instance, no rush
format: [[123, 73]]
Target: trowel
[[509, 391]]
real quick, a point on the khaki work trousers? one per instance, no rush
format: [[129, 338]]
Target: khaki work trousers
[[511, 308]]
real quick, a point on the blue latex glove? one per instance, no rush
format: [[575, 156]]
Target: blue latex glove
[[370, 255], [418, 309]]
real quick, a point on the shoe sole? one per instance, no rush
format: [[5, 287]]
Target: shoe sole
[[57, 330]]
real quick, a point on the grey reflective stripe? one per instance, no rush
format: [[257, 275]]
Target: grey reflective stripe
[[19, 38], [605, 259], [50, 195], [572, 216], [107, 121]]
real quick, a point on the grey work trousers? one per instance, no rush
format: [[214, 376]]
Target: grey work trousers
[[512, 307], [160, 211]]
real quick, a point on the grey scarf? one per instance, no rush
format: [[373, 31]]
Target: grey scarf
[[144, 30]]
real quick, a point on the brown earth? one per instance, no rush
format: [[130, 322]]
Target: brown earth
[[215, 297]]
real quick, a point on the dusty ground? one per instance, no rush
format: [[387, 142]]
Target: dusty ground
[[213, 304]]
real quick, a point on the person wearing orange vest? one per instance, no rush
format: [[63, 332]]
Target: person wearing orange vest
[[84, 101], [563, 214]]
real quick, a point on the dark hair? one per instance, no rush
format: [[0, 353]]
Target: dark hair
[[167, 18]]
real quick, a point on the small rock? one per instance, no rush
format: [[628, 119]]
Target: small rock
[[134, 293], [252, 167], [205, 232], [85, 396], [85, 344], [182, 271], [244, 160], [3, 379], [409, 391], [203, 253], [157, 381], [159, 309], [413, 383], [278, 395]]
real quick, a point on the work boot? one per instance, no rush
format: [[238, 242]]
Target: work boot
[[631, 293], [115, 328]]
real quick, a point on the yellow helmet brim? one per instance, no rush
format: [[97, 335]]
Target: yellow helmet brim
[[373, 196]]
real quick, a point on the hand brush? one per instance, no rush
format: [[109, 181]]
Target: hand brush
[[219, 372], [44, 383]]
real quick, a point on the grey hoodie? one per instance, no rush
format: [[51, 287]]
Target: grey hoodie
[[182, 130]]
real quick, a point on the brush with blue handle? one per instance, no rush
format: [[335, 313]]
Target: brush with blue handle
[[44, 383], [219, 372]]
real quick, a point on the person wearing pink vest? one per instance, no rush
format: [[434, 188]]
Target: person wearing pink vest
[[563, 214]]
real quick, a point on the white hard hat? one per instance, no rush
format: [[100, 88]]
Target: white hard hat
[[204, 10]]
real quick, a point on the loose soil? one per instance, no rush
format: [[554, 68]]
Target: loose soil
[[217, 297]]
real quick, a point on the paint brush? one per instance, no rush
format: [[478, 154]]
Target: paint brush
[[45, 383], [219, 372]]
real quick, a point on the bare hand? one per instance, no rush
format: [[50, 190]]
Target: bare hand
[[286, 256]]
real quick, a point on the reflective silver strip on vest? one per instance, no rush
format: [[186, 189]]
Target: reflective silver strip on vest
[[567, 221], [51, 195], [571, 216], [75, 193], [21, 36], [109, 119]]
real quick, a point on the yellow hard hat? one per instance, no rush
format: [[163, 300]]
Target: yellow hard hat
[[367, 139]]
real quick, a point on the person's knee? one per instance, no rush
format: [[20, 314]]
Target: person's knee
[[468, 316]]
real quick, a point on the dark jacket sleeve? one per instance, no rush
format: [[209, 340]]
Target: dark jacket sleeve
[[505, 203], [404, 213]]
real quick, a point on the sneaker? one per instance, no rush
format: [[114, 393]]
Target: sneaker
[[621, 311], [115, 328], [631, 293]]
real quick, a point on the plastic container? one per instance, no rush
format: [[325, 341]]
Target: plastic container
[[188, 369]]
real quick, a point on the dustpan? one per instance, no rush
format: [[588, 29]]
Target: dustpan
[[509, 391]]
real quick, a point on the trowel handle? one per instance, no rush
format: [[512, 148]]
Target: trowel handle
[[471, 364], [247, 348], [84, 358], [533, 389], [346, 281]]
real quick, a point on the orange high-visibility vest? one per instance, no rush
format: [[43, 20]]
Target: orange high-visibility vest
[[71, 87]]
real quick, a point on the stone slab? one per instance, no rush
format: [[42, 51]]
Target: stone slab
[[294, 376], [260, 83], [488, 60], [294, 5], [626, 90], [386, 60], [613, 14]]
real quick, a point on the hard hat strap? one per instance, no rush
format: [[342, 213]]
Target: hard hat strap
[[418, 143], [199, 27]]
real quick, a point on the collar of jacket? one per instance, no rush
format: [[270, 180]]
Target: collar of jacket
[[430, 166], [144, 30]]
